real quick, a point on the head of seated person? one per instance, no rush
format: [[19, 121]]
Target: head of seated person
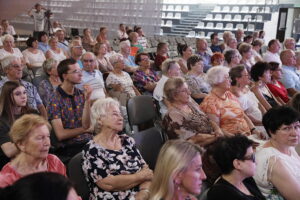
[[170, 68], [32, 43], [260, 72], [178, 171], [12, 67], [50, 67], [217, 59], [8, 42], [43, 37], [232, 57]]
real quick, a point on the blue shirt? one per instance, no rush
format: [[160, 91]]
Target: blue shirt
[[290, 77], [216, 48], [129, 62], [206, 60], [43, 47]]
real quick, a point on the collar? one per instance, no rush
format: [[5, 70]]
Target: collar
[[289, 67], [65, 95]]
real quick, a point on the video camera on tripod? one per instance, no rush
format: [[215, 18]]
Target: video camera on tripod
[[48, 13]]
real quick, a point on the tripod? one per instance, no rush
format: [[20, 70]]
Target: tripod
[[48, 25]]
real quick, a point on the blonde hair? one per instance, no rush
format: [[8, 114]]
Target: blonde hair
[[171, 87], [24, 125], [174, 157]]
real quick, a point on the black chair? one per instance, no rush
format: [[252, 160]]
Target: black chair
[[77, 177]]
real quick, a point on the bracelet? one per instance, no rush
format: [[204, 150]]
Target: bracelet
[[252, 129]]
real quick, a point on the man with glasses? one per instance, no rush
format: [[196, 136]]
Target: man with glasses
[[92, 76], [13, 69], [69, 111]]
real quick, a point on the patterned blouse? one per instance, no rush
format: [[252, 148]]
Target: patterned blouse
[[178, 124], [140, 79], [99, 163], [46, 91], [229, 112], [197, 84]]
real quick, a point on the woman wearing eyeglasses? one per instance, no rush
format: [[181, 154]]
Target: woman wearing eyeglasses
[[278, 165], [236, 161]]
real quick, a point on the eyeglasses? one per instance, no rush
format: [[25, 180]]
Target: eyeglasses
[[187, 91], [288, 129], [88, 60], [16, 66], [77, 71], [251, 157]]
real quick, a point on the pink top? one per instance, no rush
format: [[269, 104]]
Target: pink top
[[9, 175]]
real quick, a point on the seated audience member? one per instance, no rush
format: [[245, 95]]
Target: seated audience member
[[289, 43], [135, 46], [144, 78], [130, 65], [88, 41], [239, 35], [226, 36], [100, 49], [47, 86], [102, 36], [275, 86], [232, 58], [217, 59], [122, 32], [161, 55], [31, 135], [41, 185], [34, 57], [202, 51], [261, 35], [170, 68], [92, 76], [13, 104], [55, 52], [69, 111], [240, 88], [141, 37], [215, 47], [231, 44], [13, 69], [260, 74], [247, 60], [43, 42], [235, 158], [57, 26], [256, 47], [272, 53], [178, 172], [185, 52], [223, 107], [76, 51], [290, 77], [118, 82], [110, 50], [295, 102], [195, 78], [184, 119], [62, 42], [8, 48], [297, 54], [278, 164], [113, 167], [7, 28], [248, 39]]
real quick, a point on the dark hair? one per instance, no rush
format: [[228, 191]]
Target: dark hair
[[37, 186], [191, 61], [41, 34], [271, 42], [276, 117], [260, 33], [138, 57], [181, 48], [248, 37], [295, 102], [160, 45], [227, 149], [257, 42], [274, 66], [30, 40], [258, 70], [102, 28], [229, 54], [63, 67], [213, 35], [236, 72], [7, 102]]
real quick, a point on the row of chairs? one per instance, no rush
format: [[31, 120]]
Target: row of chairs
[[170, 15], [237, 17], [227, 27], [244, 9], [250, 2], [168, 23], [177, 8]]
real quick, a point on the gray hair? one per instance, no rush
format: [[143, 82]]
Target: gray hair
[[123, 43], [88, 53], [114, 58], [166, 65], [6, 61], [7, 37], [297, 54], [49, 64], [99, 109], [215, 75]]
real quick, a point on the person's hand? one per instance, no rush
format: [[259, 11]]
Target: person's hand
[[146, 173], [118, 87], [142, 195], [150, 86], [259, 134], [87, 91]]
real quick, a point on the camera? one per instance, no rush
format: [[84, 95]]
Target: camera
[[48, 13]]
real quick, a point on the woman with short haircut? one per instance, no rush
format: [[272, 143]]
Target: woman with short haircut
[[275, 86], [256, 47], [195, 78], [260, 73], [31, 135], [13, 104], [47, 87], [217, 59], [88, 41], [247, 60], [178, 172], [161, 55], [223, 107], [112, 165], [278, 164], [232, 58], [185, 53], [236, 160], [9, 48], [55, 52], [184, 119], [43, 42], [100, 50]]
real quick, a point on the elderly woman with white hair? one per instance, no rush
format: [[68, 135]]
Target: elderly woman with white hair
[[112, 165], [125, 50], [223, 107], [8, 48], [118, 82]]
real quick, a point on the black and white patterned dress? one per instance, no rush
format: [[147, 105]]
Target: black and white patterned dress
[[99, 163]]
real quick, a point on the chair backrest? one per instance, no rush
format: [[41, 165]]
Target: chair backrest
[[149, 143], [77, 177]]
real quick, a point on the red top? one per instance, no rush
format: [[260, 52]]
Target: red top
[[158, 61], [9, 175], [279, 91]]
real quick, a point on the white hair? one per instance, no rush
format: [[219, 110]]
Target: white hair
[[115, 57], [99, 109], [123, 43], [8, 37], [88, 53], [215, 75], [6, 61]]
